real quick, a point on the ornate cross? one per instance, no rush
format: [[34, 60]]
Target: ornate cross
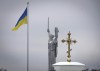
[[69, 41]]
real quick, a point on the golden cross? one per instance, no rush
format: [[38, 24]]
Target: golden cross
[[69, 41]]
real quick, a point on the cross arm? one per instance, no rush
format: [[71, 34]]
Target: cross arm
[[63, 41]]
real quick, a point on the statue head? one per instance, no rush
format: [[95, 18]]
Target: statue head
[[51, 36]]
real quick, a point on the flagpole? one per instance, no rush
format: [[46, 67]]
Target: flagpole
[[28, 36]]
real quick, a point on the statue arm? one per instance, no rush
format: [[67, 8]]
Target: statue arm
[[48, 32], [48, 26]]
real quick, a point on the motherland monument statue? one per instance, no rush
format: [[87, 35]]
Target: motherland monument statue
[[52, 48]]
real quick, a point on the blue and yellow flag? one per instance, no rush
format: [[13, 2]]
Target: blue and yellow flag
[[22, 20]]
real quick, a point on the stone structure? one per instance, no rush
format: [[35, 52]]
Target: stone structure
[[69, 66], [52, 48]]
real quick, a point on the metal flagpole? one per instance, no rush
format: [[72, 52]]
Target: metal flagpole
[[28, 36]]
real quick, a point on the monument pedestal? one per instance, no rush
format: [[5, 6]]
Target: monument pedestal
[[69, 66]]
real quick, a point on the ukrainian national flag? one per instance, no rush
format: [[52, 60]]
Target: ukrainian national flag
[[22, 20]]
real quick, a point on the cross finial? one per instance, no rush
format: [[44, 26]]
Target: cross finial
[[69, 41]]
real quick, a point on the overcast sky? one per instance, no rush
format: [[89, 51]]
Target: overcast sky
[[81, 17]]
